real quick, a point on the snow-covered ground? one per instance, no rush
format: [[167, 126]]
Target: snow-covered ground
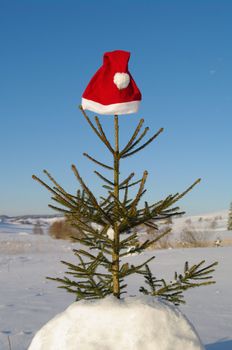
[[28, 300]]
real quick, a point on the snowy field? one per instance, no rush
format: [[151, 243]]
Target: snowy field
[[28, 300]]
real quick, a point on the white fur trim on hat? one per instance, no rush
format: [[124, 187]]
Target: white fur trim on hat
[[115, 108], [121, 80]]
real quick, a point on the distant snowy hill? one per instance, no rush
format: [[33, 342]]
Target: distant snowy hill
[[29, 219], [209, 221]]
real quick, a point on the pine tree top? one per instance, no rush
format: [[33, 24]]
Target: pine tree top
[[104, 222]]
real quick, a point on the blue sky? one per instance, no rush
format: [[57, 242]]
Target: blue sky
[[181, 59]]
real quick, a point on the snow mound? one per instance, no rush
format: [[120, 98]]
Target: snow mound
[[111, 324]]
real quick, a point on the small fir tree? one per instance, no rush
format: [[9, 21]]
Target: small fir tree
[[103, 224], [229, 224]]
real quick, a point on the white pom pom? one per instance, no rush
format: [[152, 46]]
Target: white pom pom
[[121, 80]]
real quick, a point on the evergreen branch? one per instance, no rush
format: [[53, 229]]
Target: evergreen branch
[[109, 207], [138, 248], [120, 205], [73, 199], [83, 204], [63, 201], [96, 243], [58, 209], [137, 218], [97, 162], [54, 181], [101, 236], [139, 139], [44, 184], [166, 216], [85, 253], [62, 197], [94, 264], [162, 206], [101, 247], [126, 180], [86, 275], [173, 291], [149, 207], [76, 202], [90, 123], [146, 209], [135, 269], [159, 207], [137, 221], [140, 191], [103, 134], [82, 223], [165, 233], [88, 287], [179, 196], [89, 290], [91, 196], [170, 211], [132, 138], [134, 211], [126, 241], [95, 129], [151, 225], [106, 201], [85, 219], [125, 199], [103, 178], [144, 145], [107, 187], [130, 185], [80, 271]]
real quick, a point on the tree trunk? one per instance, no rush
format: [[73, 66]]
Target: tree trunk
[[115, 255]]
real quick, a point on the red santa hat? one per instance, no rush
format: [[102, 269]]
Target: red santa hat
[[112, 90]]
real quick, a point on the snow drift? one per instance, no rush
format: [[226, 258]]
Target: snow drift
[[111, 324]]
